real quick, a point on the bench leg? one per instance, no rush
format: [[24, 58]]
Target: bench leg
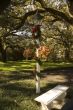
[[45, 107], [62, 98], [58, 103]]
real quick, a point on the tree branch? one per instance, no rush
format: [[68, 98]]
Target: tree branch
[[70, 6], [56, 14]]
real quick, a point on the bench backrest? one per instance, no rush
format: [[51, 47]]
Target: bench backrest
[[51, 95]]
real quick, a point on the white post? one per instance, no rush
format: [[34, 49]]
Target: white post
[[37, 84], [37, 72]]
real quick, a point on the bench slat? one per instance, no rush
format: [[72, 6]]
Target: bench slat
[[51, 95]]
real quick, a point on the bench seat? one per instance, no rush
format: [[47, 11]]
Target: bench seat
[[47, 98]]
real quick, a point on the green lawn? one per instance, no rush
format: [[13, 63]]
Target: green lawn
[[17, 65], [30, 65], [17, 88], [17, 91]]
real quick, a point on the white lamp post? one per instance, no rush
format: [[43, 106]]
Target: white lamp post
[[37, 36]]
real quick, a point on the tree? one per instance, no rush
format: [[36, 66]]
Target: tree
[[70, 6], [28, 53], [67, 41], [15, 14], [43, 52], [64, 37]]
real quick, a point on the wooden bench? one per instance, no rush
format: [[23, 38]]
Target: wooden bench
[[47, 99]]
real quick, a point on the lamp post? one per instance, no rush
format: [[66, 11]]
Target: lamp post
[[36, 34]]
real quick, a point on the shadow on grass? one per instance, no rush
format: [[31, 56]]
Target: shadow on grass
[[25, 89], [67, 72], [52, 85], [5, 78], [20, 75], [59, 69], [12, 94], [8, 104]]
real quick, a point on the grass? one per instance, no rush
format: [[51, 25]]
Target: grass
[[17, 88], [30, 65], [17, 65], [17, 91]]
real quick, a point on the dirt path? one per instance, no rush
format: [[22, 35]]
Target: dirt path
[[62, 75]]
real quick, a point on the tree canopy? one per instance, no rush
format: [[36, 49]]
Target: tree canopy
[[15, 14], [10, 3], [17, 9]]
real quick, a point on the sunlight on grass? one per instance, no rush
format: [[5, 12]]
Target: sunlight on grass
[[56, 65], [30, 65], [17, 66]]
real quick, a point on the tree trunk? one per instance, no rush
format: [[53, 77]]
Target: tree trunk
[[3, 51], [67, 54], [4, 57]]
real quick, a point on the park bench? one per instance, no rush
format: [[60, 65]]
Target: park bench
[[47, 99]]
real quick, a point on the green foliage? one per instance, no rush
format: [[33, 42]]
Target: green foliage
[[18, 16]]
